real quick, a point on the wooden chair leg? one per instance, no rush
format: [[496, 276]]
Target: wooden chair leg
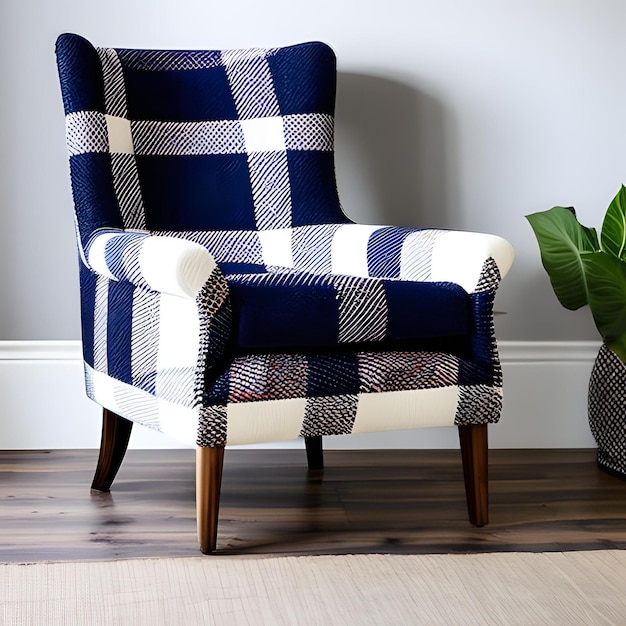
[[314, 452], [209, 464], [115, 435], [474, 452]]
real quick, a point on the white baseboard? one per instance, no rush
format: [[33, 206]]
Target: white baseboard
[[545, 402]]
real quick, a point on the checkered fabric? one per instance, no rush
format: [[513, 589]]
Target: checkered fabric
[[225, 295]]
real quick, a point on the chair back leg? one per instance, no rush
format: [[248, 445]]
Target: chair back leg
[[314, 453], [115, 435], [209, 464], [474, 452]]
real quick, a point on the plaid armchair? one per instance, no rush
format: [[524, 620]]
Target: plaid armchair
[[227, 299]]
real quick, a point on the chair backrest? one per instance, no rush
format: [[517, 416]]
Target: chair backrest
[[164, 140]]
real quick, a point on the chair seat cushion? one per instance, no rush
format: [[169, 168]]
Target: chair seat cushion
[[295, 309]]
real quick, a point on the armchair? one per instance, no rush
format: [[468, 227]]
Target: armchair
[[227, 299]]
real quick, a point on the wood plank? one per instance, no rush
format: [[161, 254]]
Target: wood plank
[[390, 501]]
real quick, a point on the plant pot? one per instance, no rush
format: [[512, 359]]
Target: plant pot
[[607, 411]]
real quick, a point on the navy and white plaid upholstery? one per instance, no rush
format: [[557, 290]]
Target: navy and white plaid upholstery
[[225, 295]]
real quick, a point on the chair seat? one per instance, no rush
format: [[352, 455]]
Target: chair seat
[[295, 309]]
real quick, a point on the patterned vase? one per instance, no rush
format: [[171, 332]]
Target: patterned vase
[[607, 411]]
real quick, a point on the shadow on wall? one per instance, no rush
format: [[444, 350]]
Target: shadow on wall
[[393, 154]]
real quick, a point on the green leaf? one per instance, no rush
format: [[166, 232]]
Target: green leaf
[[561, 241], [606, 279], [613, 234]]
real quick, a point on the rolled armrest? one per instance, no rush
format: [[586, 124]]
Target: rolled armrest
[[395, 252], [460, 257], [157, 262]]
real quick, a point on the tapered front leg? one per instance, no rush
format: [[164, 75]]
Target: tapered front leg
[[115, 435], [474, 452], [209, 464]]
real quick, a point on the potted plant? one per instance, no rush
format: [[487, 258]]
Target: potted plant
[[587, 269]]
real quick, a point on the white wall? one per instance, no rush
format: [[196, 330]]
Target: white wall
[[453, 113]]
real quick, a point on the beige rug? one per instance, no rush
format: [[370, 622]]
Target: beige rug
[[553, 589]]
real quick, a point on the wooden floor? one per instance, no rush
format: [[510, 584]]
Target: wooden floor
[[366, 501]]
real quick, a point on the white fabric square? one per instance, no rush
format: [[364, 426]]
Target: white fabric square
[[179, 333], [399, 410], [120, 137], [459, 257], [175, 266], [264, 134], [276, 247], [349, 249], [270, 420], [178, 422]]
